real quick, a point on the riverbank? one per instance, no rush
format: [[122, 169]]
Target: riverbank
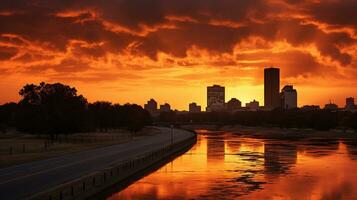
[[276, 133], [223, 165], [85, 173], [18, 148]]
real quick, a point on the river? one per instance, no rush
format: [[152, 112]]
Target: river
[[223, 165]]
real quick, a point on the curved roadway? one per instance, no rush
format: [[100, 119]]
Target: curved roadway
[[23, 180]]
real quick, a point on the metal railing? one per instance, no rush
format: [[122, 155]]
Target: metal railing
[[97, 181]]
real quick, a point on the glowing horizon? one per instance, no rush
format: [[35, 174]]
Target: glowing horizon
[[128, 51]]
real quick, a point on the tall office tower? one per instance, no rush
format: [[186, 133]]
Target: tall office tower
[[271, 88], [215, 98], [151, 106], [288, 97]]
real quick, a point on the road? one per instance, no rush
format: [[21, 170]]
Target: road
[[23, 180]]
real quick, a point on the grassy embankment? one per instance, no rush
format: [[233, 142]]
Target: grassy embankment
[[17, 148]]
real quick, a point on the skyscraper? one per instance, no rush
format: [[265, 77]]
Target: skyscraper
[[151, 106], [215, 98], [288, 97], [271, 88]]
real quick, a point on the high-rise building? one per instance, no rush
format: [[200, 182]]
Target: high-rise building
[[151, 106], [165, 107], [350, 103], [234, 104], [253, 105], [215, 98], [271, 88], [194, 108], [288, 97]]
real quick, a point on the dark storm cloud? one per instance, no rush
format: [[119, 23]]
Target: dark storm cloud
[[305, 66], [93, 77], [7, 53], [335, 12], [57, 31], [131, 13], [287, 61], [65, 66], [176, 42], [327, 43], [163, 26]]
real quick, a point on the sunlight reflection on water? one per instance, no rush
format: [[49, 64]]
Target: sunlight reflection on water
[[225, 166]]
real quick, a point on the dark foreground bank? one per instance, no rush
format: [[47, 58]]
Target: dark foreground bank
[[84, 174]]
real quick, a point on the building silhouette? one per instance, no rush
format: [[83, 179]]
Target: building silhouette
[[234, 104], [310, 108], [253, 105], [151, 106], [350, 103], [165, 107], [288, 97], [215, 98], [331, 106], [271, 88], [194, 108]]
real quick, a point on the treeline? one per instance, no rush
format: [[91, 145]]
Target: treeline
[[54, 109], [317, 119]]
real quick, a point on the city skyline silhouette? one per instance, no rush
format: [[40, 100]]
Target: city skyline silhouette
[[129, 51], [178, 99]]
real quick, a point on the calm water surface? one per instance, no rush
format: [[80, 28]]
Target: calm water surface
[[226, 166]]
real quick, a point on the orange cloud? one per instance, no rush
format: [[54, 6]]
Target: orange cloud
[[132, 50]]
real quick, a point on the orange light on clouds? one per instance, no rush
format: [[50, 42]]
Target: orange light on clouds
[[172, 54]]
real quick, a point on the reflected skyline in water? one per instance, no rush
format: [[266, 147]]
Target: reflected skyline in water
[[225, 166]]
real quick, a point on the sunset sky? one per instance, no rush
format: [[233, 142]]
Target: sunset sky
[[171, 50]]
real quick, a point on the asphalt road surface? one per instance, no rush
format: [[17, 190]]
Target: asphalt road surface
[[23, 180]]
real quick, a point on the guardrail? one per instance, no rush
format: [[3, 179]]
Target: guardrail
[[96, 182], [40, 145]]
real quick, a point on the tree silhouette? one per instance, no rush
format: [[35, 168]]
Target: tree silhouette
[[54, 109], [101, 113], [51, 109], [296, 118]]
